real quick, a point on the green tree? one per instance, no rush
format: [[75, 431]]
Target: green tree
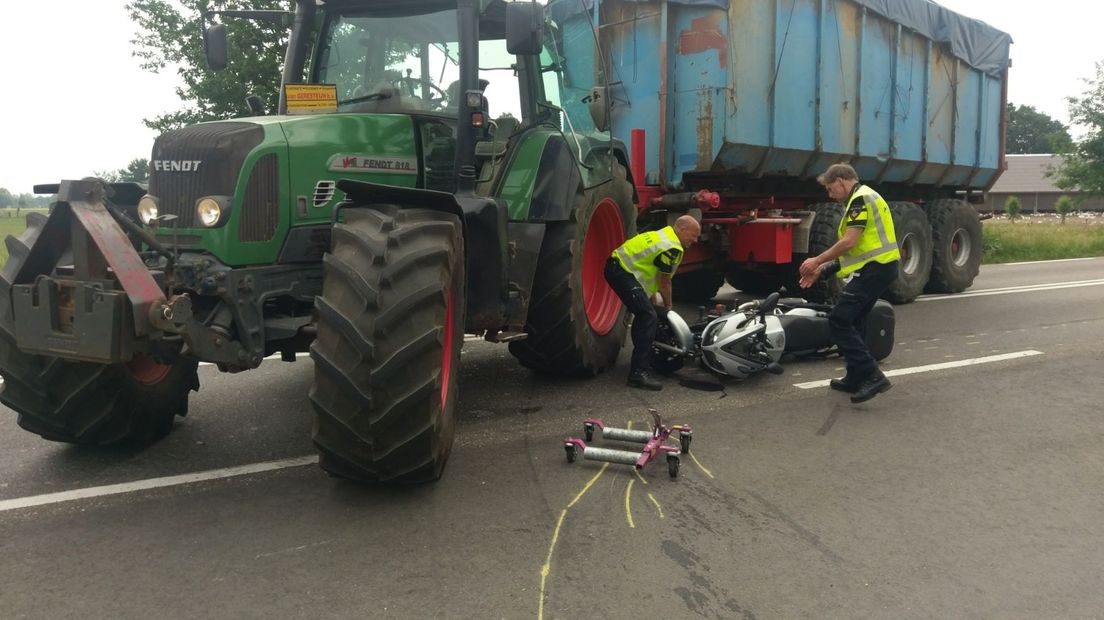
[[1012, 207], [1031, 131], [1083, 167], [1063, 206], [6, 199], [137, 171], [169, 34]]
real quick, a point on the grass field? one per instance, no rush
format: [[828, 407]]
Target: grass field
[[1041, 237], [1038, 237], [12, 225]]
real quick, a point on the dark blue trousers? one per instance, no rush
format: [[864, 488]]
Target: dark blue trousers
[[847, 321], [644, 315]]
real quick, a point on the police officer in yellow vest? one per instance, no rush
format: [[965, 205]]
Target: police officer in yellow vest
[[639, 269], [867, 253]]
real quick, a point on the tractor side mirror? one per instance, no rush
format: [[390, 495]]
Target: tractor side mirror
[[524, 28], [215, 46]]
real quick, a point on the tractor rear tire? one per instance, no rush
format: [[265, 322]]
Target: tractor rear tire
[[822, 235], [81, 402], [956, 246], [576, 323], [387, 354], [914, 239]]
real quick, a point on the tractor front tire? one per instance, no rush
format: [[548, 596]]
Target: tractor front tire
[[575, 322], [80, 402], [387, 354]]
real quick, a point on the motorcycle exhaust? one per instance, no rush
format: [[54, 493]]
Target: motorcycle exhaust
[[673, 350]]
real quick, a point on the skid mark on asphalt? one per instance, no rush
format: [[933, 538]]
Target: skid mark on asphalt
[[809, 537], [830, 422]]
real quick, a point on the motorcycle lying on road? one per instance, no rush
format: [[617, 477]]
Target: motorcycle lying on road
[[758, 335]]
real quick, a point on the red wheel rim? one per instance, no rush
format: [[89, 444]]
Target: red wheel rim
[[604, 234], [446, 356], [146, 371]]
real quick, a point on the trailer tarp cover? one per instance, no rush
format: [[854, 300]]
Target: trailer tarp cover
[[975, 42]]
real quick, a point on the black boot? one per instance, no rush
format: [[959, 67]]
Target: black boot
[[643, 380], [845, 384], [870, 388]]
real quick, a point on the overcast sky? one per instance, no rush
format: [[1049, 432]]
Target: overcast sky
[[73, 98]]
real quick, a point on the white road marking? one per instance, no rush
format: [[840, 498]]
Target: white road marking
[[153, 483], [1043, 262], [1013, 289], [932, 367]]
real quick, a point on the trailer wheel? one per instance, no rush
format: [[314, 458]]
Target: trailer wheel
[[822, 235], [576, 323], [80, 402], [956, 246], [387, 354], [914, 239], [695, 286]]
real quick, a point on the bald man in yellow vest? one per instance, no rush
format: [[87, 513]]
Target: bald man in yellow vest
[[636, 271], [866, 254]]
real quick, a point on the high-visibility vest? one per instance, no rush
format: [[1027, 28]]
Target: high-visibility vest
[[878, 241], [637, 255]]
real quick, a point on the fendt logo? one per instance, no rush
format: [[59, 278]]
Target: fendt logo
[[173, 165]]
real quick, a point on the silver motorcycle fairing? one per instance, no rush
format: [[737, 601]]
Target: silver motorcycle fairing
[[729, 343], [680, 330]]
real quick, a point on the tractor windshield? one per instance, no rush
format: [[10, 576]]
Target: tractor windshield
[[407, 64]]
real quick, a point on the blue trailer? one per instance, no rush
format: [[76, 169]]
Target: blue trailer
[[734, 106]]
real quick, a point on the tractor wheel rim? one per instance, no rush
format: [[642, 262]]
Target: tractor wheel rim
[[961, 247], [605, 232], [446, 354], [146, 371], [910, 254]]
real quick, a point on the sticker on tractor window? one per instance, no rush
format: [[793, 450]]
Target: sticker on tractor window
[[311, 98], [373, 163]]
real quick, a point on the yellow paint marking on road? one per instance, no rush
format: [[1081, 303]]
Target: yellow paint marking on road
[[589, 484], [546, 568], [641, 478], [658, 507], [628, 508], [701, 467]]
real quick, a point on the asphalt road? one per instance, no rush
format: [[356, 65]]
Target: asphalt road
[[964, 492]]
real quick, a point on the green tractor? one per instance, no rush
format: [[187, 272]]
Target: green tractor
[[393, 203]]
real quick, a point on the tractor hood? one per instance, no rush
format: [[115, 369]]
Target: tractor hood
[[273, 173]]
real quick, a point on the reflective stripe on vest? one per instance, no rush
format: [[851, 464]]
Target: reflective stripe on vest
[[878, 242], [637, 255]]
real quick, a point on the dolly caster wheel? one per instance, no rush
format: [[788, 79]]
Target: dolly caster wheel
[[571, 451]]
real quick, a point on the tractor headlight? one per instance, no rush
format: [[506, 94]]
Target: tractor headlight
[[147, 209], [210, 211]]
